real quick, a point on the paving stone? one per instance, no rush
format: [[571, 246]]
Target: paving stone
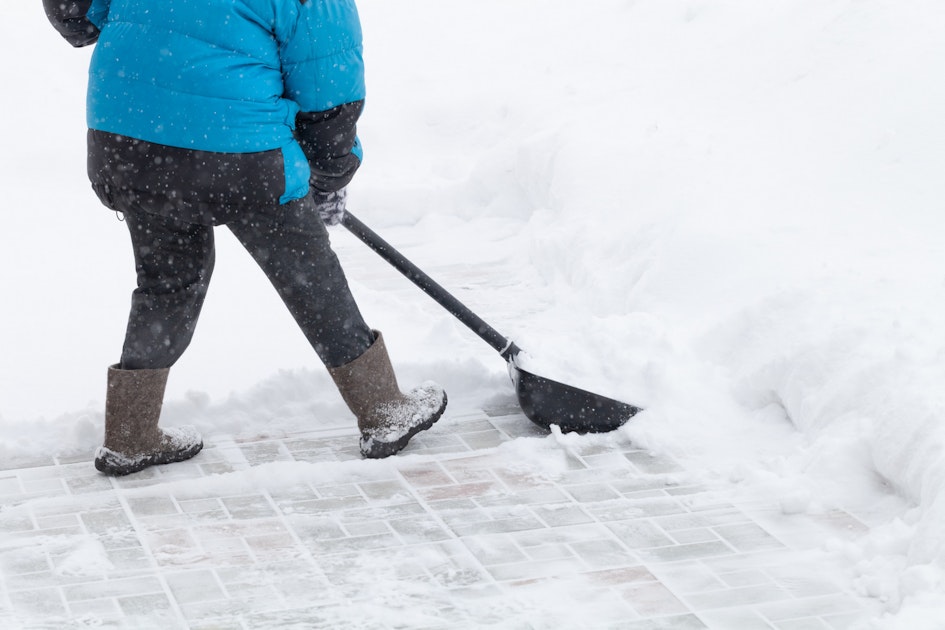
[[631, 483], [517, 480], [205, 508], [461, 491], [735, 620], [494, 549], [23, 464], [847, 621], [833, 604], [751, 577], [16, 562], [551, 551], [626, 510], [17, 521], [309, 529], [640, 534], [249, 506], [674, 622], [128, 559], [272, 547], [366, 528], [426, 476], [56, 521], [104, 521], [605, 457], [560, 515], [265, 452], [565, 535], [809, 623], [684, 490], [797, 580], [742, 596], [43, 487], [697, 535], [431, 443], [531, 570], [592, 493], [652, 464], [607, 578], [80, 457], [515, 426], [391, 491], [214, 624], [112, 588], [496, 526], [532, 497], [195, 586], [105, 612], [342, 491], [152, 506], [747, 537], [47, 602], [685, 552], [37, 581], [419, 530], [88, 484], [484, 439], [727, 515], [150, 605], [351, 543], [598, 554], [652, 599], [323, 506]]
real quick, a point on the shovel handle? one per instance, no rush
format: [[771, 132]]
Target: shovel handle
[[460, 311]]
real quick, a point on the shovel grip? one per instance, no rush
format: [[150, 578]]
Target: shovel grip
[[460, 311]]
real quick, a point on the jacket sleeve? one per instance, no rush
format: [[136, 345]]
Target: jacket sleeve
[[78, 21], [323, 70]]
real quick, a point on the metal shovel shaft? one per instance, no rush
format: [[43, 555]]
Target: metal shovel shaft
[[544, 401], [429, 286]]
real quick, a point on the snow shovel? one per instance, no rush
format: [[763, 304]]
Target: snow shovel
[[544, 401]]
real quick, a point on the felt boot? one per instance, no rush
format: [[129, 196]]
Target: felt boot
[[386, 417], [133, 440]]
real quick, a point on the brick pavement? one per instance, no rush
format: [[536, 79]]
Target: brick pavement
[[483, 522]]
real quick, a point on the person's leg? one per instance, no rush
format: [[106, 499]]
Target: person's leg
[[174, 262], [295, 254]]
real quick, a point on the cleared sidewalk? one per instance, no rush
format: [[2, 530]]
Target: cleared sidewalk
[[460, 531]]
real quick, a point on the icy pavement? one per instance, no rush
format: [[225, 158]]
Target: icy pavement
[[457, 532]]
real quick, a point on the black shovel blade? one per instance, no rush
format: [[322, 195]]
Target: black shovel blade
[[547, 402]]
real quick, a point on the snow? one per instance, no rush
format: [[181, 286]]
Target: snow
[[726, 212]]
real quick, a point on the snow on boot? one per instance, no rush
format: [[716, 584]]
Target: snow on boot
[[386, 417], [133, 440]]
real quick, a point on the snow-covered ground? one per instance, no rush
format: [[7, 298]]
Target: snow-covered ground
[[728, 212]]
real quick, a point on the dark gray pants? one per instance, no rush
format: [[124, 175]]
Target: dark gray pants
[[174, 262]]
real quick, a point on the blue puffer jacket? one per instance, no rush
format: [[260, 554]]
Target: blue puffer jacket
[[227, 77]]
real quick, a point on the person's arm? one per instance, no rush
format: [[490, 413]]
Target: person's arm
[[78, 21], [330, 142], [323, 72]]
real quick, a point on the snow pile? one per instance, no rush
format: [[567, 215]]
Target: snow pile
[[728, 212]]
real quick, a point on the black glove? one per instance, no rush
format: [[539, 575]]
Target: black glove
[[331, 205]]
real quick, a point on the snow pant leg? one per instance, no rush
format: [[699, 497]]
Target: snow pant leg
[[174, 261], [295, 253]]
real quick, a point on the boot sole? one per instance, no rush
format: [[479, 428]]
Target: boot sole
[[116, 465], [380, 450]]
